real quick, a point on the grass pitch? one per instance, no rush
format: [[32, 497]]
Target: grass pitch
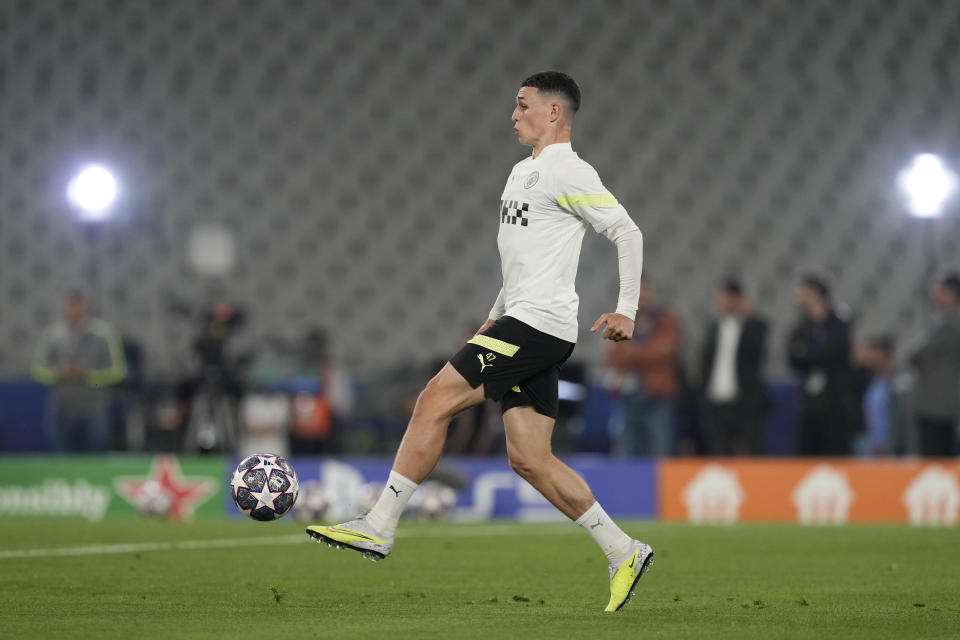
[[229, 579]]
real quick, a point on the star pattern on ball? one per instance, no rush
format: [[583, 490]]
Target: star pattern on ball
[[294, 484], [236, 482], [252, 490], [268, 464], [265, 497]]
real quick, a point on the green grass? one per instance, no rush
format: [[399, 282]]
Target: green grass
[[471, 581]]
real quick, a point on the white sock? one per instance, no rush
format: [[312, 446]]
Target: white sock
[[611, 538], [386, 513]]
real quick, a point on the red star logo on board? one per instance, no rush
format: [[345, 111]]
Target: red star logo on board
[[165, 485]]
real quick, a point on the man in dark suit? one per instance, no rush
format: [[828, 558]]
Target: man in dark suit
[[731, 370], [820, 355], [936, 360]]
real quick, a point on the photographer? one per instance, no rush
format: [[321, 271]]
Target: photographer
[[212, 394]]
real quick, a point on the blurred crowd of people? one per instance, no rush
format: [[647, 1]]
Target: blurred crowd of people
[[855, 397], [100, 400]]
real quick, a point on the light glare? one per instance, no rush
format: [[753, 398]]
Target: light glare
[[92, 191], [927, 184]]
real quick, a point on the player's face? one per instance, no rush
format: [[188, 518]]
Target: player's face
[[809, 300], [942, 296], [726, 303], [76, 310], [531, 116]]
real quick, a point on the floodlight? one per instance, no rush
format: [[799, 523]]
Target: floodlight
[[927, 184], [92, 192]]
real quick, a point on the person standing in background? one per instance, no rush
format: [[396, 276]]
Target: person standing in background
[[880, 403], [936, 361], [80, 358], [819, 352], [731, 371], [319, 414], [643, 373]]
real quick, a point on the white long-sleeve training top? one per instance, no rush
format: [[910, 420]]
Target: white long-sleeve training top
[[545, 208]]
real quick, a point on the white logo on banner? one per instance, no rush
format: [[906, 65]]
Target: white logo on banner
[[933, 497], [823, 497], [532, 506], [713, 495], [56, 497], [343, 486]]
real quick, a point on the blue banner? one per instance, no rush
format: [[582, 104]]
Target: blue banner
[[335, 489]]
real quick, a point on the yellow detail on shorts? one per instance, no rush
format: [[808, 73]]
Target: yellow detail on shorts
[[499, 346], [516, 388], [588, 200]]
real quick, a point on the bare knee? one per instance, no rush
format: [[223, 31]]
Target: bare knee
[[521, 466], [430, 403], [528, 466], [444, 396]]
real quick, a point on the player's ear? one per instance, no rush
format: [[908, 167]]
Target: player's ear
[[556, 111]]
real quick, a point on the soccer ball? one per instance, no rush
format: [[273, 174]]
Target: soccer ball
[[154, 500], [434, 500], [264, 486], [312, 504]]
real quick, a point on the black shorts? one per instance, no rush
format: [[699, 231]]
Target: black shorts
[[517, 365]]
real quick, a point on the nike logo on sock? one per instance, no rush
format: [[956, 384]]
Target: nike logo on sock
[[395, 491]]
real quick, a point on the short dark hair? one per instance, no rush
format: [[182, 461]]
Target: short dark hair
[[731, 284], [884, 342], [816, 281], [951, 280], [555, 82]]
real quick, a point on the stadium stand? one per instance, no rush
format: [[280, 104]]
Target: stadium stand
[[357, 151]]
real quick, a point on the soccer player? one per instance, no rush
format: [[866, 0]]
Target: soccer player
[[549, 200]]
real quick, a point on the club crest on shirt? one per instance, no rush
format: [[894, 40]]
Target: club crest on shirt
[[531, 180]]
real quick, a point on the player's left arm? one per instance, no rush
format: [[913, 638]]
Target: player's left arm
[[582, 193], [629, 241], [44, 366]]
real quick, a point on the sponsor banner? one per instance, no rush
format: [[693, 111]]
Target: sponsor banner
[[467, 489], [96, 487], [810, 491]]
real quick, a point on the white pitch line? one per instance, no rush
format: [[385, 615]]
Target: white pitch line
[[226, 543], [181, 545]]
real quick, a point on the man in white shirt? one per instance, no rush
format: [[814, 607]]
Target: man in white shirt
[[732, 362], [547, 204]]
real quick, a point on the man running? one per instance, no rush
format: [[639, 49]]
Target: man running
[[549, 200]]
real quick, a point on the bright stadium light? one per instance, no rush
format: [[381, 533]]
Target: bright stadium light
[[92, 192], [927, 184]]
